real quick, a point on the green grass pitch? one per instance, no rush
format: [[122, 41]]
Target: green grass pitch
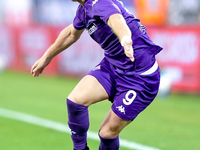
[[170, 124]]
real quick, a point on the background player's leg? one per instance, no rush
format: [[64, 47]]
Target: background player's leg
[[87, 92], [109, 131]]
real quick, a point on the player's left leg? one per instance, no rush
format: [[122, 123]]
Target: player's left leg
[[130, 100], [109, 131]]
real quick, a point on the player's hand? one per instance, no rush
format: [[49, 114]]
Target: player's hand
[[128, 49], [39, 66]]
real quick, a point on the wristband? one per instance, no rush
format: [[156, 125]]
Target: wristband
[[124, 38]]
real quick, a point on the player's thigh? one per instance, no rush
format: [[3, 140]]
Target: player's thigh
[[112, 125], [88, 91]]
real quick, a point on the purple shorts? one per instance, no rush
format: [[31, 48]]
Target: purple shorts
[[130, 94]]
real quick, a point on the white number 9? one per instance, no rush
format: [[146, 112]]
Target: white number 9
[[129, 97]]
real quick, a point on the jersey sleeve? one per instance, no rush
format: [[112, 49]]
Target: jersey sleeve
[[104, 9], [78, 19]]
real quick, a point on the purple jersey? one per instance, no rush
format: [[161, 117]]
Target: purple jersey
[[94, 15]]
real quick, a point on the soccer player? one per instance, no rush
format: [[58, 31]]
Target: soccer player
[[128, 75]]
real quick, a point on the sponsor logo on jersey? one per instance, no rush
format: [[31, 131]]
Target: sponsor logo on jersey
[[92, 27], [121, 109]]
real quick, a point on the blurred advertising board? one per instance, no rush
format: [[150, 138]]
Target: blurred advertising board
[[180, 58], [16, 13], [22, 46], [33, 41], [7, 50], [81, 57], [54, 12]]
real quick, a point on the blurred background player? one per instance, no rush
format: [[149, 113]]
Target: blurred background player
[[128, 75]]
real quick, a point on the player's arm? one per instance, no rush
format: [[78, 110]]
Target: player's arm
[[66, 38], [121, 29]]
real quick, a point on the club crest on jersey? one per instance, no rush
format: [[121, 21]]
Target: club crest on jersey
[[91, 28], [143, 29], [94, 2]]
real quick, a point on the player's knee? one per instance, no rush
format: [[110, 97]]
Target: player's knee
[[73, 98], [78, 99], [109, 133]]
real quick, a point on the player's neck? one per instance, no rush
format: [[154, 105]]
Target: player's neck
[[81, 2]]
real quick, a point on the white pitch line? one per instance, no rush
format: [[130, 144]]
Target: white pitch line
[[6, 113]]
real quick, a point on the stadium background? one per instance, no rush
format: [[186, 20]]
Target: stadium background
[[27, 29]]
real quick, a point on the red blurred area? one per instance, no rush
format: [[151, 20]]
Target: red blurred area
[[181, 53]]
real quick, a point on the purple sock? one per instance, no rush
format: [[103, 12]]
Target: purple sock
[[78, 121], [109, 143]]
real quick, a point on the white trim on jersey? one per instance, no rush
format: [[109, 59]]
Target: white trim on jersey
[[151, 70]]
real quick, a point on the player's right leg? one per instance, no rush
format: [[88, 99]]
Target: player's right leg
[[87, 92], [98, 85]]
